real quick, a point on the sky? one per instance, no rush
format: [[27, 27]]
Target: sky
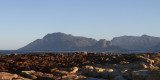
[[23, 21]]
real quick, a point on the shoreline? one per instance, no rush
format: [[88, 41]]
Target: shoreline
[[6, 52], [83, 64]]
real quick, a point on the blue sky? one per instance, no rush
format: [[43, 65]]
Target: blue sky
[[23, 21]]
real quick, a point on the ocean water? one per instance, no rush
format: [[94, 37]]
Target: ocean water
[[4, 52]]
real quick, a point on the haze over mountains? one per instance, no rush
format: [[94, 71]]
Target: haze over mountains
[[61, 41]]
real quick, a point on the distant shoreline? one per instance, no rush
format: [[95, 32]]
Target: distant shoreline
[[5, 52]]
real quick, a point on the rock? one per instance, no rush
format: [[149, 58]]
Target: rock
[[84, 53], [113, 74], [46, 76], [21, 78], [153, 75], [75, 69], [60, 72], [142, 65], [88, 67], [120, 77], [28, 74], [99, 69], [97, 72], [91, 78], [87, 70], [110, 70], [32, 76], [138, 75], [52, 70], [37, 75], [71, 76], [110, 73], [92, 71], [7, 76]]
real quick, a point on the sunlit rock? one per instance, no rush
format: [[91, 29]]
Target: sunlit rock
[[7, 76]]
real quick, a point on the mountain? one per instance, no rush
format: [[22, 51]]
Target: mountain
[[156, 48], [143, 42], [103, 45], [60, 41]]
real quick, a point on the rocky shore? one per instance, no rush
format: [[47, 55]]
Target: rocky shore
[[80, 66]]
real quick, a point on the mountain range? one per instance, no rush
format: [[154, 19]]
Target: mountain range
[[61, 42]]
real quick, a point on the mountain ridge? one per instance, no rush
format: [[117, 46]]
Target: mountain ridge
[[60, 41]]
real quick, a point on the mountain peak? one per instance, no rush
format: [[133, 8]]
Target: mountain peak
[[103, 43], [58, 34], [60, 41], [144, 35]]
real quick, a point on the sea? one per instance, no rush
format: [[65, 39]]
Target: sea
[[5, 52]]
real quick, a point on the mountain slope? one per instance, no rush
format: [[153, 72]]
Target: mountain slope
[[156, 48], [136, 43], [60, 41], [103, 45]]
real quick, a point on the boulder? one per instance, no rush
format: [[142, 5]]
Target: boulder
[[7, 76], [74, 70], [87, 70], [28, 74], [138, 75], [110, 73], [37, 75], [71, 76]]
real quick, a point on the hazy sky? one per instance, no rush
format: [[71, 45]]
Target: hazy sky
[[23, 21]]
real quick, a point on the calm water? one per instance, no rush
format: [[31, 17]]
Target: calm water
[[24, 52]]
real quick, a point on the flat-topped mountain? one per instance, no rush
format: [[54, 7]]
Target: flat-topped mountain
[[60, 41]]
